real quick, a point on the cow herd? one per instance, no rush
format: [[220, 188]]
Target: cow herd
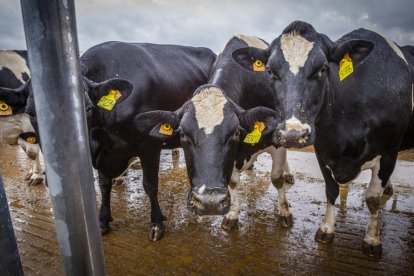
[[352, 99]]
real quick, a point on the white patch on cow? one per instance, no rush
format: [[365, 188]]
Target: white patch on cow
[[15, 63], [209, 108], [12, 126], [371, 164], [294, 124], [396, 49], [373, 194], [201, 189], [328, 223], [295, 50], [253, 41]]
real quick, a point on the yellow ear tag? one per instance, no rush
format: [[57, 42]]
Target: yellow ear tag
[[31, 140], [5, 109], [254, 136], [345, 67], [166, 129], [259, 66], [108, 101]]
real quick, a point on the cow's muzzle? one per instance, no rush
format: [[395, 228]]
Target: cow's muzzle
[[293, 138], [209, 201]]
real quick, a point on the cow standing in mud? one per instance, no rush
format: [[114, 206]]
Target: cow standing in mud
[[352, 99], [122, 81], [217, 127], [15, 126]]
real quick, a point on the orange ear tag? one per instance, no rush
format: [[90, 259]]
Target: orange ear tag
[[345, 67], [259, 66], [166, 129], [108, 101], [31, 140], [5, 109], [254, 136]]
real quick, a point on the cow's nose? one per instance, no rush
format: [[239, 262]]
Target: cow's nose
[[209, 201], [291, 138]]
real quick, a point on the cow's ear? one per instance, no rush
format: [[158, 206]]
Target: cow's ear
[[108, 93], [158, 124], [356, 49], [251, 59], [257, 122]]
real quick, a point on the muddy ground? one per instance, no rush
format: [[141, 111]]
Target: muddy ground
[[195, 245]]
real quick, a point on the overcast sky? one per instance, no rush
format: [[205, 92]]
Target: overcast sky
[[212, 23]]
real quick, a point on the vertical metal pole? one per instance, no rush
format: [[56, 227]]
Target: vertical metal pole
[[51, 37], [9, 256]]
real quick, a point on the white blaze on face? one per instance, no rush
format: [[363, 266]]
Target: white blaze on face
[[253, 41], [15, 63], [209, 108], [396, 49], [295, 124], [295, 50]]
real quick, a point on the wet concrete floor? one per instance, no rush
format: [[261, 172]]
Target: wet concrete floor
[[197, 245]]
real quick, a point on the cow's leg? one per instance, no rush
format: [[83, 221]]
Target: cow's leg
[[105, 215], [381, 173], [389, 190], [289, 178], [326, 230], [278, 180], [175, 157], [150, 161], [37, 176], [231, 219]]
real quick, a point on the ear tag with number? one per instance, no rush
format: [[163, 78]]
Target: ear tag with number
[[345, 67], [259, 66], [166, 129], [108, 101], [5, 109], [254, 136]]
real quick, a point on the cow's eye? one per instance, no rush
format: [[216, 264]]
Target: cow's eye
[[320, 73], [273, 75]]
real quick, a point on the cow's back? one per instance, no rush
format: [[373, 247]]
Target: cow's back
[[14, 69]]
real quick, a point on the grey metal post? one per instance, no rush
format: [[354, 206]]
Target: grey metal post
[[51, 38], [9, 258]]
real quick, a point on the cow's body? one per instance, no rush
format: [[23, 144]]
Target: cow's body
[[249, 90], [163, 77], [15, 126], [356, 123]]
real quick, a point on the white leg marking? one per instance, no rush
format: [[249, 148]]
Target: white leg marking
[[278, 163], [372, 198], [328, 223], [233, 214]]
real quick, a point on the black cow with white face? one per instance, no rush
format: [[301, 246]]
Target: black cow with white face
[[352, 99], [213, 126], [15, 126], [127, 79]]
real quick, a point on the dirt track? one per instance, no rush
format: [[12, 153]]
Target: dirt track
[[194, 245]]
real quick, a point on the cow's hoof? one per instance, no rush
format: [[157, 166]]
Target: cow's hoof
[[105, 229], [156, 231], [324, 237], [289, 179], [389, 190], [372, 250], [27, 176], [286, 221], [35, 181], [229, 223]]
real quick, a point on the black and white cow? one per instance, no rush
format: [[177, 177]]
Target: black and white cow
[[124, 80], [352, 99], [15, 126], [212, 129]]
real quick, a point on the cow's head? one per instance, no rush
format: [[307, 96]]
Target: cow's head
[[298, 66], [13, 101], [209, 127]]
